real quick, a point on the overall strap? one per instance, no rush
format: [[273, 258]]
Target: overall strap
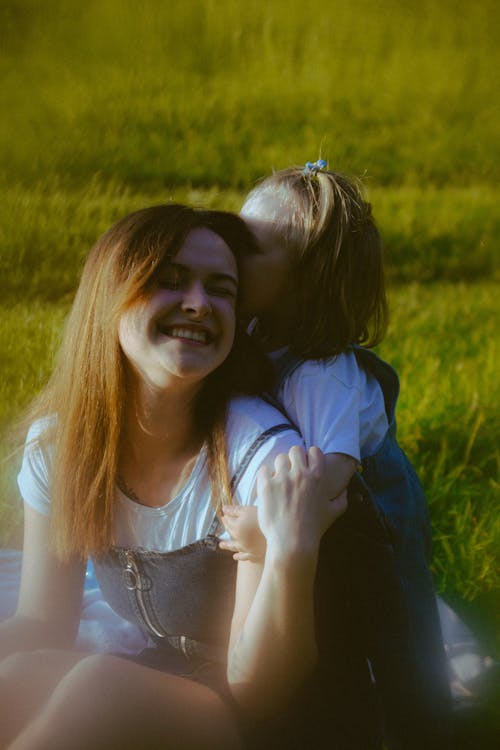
[[245, 461], [384, 373], [252, 450], [284, 364]]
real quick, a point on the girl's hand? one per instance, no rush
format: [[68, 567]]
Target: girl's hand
[[247, 540], [295, 507]]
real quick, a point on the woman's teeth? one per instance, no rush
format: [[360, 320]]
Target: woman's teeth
[[186, 333]]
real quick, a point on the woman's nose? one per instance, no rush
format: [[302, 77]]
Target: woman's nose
[[196, 301]]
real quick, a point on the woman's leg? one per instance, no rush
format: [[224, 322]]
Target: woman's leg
[[108, 703], [27, 679]]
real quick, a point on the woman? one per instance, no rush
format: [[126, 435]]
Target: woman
[[139, 438]]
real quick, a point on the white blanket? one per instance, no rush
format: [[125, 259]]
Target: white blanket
[[101, 629]]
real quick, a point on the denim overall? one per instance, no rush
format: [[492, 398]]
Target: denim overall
[[382, 670], [182, 599]]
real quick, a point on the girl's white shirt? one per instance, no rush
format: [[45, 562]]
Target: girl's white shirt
[[335, 404], [189, 515]]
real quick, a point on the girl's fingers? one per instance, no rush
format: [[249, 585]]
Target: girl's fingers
[[231, 510], [245, 557], [229, 522], [230, 546], [229, 525]]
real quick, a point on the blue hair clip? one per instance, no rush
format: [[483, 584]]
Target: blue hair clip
[[313, 167]]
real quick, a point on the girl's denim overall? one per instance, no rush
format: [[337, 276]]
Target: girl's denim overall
[[382, 665], [183, 599]]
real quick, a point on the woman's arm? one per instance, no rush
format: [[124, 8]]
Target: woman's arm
[[272, 647], [50, 597]]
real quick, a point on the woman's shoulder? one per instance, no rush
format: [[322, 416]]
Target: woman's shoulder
[[38, 448], [254, 425], [256, 432], [34, 476], [254, 415], [39, 428]]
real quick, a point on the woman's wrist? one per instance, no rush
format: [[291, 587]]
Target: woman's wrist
[[291, 556]]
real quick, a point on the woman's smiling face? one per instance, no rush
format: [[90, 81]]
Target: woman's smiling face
[[186, 328]]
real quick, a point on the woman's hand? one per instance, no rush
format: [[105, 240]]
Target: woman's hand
[[247, 540], [299, 478], [295, 506]]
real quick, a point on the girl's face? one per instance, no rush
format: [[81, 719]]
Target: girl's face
[[185, 330], [266, 273]]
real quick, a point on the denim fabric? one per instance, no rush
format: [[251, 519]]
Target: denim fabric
[[183, 600], [382, 657]]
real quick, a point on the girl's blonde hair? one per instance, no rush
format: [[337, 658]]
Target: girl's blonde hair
[[336, 259], [87, 390]]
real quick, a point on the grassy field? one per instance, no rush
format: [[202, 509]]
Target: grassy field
[[218, 92], [112, 105], [47, 230]]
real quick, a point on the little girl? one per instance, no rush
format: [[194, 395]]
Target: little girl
[[316, 287]]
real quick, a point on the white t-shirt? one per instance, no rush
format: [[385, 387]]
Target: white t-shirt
[[188, 516], [336, 405]]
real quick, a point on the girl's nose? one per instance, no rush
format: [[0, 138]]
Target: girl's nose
[[196, 301]]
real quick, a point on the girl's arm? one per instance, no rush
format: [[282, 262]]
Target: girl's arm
[[340, 469], [272, 646], [48, 611]]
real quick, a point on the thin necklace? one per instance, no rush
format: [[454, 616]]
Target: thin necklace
[[128, 491]]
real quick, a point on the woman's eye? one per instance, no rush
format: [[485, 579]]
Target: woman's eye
[[170, 280], [221, 291]]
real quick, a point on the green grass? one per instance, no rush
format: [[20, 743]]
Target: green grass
[[219, 92], [112, 104], [47, 230], [443, 341]]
